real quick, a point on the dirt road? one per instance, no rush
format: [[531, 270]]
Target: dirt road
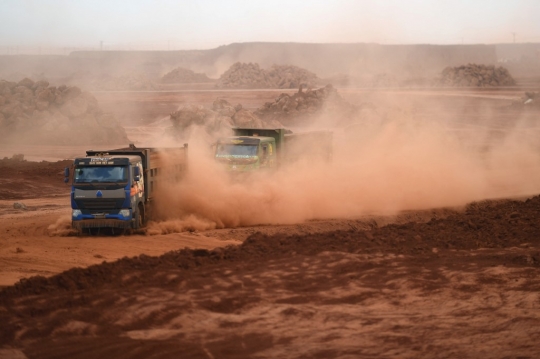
[[438, 283], [463, 286], [456, 283], [37, 240], [33, 242]]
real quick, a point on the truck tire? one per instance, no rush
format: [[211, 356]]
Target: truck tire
[[141, 218]]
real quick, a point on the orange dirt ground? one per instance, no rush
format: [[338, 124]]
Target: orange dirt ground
[[439, 283]]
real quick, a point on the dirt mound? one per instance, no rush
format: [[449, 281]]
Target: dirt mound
[[286, 110], [290, 77], [218, 120], [304, 106], [241, 75], [473, 75], [182, 75], [35, 112], [250, 75]]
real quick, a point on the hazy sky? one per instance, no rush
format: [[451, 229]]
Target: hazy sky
[[168, 24]]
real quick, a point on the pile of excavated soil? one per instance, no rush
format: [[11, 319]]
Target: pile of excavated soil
[[182, 75], [250, 75], [304, 106], [473, 75], [34, 112], [300, 108], [218, 120]]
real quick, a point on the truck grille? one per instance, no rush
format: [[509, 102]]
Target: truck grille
[[100, 204], [100, 223]]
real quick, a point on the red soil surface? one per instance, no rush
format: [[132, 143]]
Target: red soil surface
[[464, 285], [442, 283]]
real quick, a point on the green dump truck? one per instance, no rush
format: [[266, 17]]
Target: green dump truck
[[252, 149]]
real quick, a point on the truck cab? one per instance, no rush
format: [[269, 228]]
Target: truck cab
[[108, 191], [115, 188], [246, 153], [252, 149]]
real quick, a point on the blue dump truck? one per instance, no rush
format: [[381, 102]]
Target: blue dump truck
[[115, 189], [254, 149]]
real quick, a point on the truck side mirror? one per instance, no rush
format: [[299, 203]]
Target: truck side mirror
[[136, 173], [66, 175]]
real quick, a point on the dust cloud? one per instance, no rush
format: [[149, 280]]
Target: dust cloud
[[383, 167], [61, 228]]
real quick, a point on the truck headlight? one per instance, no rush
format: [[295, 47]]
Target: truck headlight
[[125, 213], [76, 213]]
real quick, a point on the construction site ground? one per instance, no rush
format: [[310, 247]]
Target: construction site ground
[[460, 282]]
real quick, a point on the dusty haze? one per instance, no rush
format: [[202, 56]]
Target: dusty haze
[[384, 163], [387, 160], [406, 244]]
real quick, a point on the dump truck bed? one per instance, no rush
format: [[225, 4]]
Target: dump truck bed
[[159, 164], [314, 145]]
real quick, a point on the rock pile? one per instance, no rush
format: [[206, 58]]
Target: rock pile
[[218, 120], [242, 75], [290, 77], [476, 76], [305, 105], [250, 75], [285, 111], [182, 75], [35, 112]]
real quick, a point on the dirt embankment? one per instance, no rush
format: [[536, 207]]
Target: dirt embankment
[[476, 76]]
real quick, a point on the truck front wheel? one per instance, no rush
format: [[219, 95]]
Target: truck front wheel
[[140, 216]]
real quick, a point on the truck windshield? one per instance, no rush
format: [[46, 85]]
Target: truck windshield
[[100, 174], [225, 150]]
